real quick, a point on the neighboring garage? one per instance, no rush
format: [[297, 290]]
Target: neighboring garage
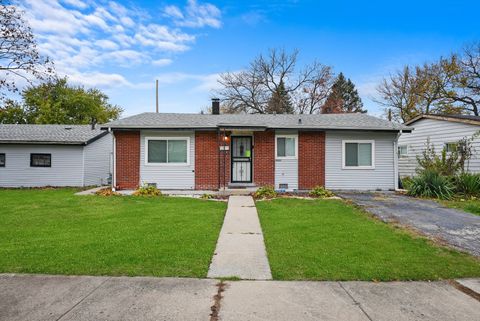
[[54, 155]]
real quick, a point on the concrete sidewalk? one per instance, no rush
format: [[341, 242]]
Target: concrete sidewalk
[[86, 298], [240, 250]]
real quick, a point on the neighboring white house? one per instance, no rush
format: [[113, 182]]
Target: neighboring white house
[[442, 131], [54, 155]]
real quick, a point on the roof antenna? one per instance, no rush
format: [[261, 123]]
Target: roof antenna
[[156, 94]]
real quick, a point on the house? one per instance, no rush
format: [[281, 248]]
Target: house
[[54, 155], [290, 152], [443, 131]]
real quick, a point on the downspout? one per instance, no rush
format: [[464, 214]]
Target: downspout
[[224, 160], [114, 160], [218, 158], [395, 159]]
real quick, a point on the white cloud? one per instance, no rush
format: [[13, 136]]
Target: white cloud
[[84, 38], [162, 62], [195, 15]]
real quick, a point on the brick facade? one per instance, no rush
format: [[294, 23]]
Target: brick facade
[[127, 146], [264, 158], [311, 159]]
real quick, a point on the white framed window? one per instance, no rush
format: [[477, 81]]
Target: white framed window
[[358, 154], [402, 150], [167, 150], [451, 147], [286, 146]]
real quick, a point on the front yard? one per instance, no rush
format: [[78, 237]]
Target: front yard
[[55, 232], [330, 240]]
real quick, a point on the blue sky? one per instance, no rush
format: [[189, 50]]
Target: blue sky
[[123, 46]]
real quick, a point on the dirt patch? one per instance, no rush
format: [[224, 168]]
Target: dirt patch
[[217, 298]]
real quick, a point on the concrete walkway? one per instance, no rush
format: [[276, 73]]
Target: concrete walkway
[[459, 229], [86, 298], [240, 248]]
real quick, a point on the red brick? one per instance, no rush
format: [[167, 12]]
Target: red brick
[[311, 159], [127, 146], [264, 158]]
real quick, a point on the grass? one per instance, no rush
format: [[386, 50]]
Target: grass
[[467, 205], [56, 232], [330, 240]]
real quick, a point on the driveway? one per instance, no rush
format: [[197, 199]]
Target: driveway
[[84, 298], [457, 228]]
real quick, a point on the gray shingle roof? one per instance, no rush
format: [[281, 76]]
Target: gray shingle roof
[[49, 134], [469, 119], [206, 121]]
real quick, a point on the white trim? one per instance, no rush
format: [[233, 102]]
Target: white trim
[[167, 138], [295, 139], [359, 141]]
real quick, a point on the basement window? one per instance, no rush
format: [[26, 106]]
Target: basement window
[[40, 160]]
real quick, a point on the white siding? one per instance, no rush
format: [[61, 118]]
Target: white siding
[[439, 132], [381, 177], [286, 170], [66, 170], [97, 157], [168, 176]]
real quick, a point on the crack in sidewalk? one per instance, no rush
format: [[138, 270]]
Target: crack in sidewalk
[[358, 304], [217, 298], [83, 299], [462, 288]]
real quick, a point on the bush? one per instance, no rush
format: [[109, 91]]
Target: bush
[[320, 192], [147, 190], [407, 182], [431, 184], [106, 192], [468, 184], [206, 196], [265, 192]]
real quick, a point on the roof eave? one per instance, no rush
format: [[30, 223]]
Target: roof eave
[[444, 118]]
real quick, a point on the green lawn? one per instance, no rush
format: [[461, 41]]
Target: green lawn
[[330, 240], [56, 232], [470, 206]]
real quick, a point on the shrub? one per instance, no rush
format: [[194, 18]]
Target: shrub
[[147, 190], [468, 184], [320, 192], [407, 182], [445, 163], [206, 196], [265, 192], [106, 192], [431, 184]]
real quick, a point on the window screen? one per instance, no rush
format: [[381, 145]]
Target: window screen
[[358, 154], [167, 151], [40, 160], [285, 147]]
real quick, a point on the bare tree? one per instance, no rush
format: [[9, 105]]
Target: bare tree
[[250, 90], [464, 88], [19, 56]]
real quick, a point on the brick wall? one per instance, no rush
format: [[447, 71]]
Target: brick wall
[[264, 158], [206, 160], [127, 145], [311, 159]]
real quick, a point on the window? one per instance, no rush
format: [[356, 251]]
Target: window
[[359, 154], [450, 147], [167, 150], [402, 150], [2, 160], [40, 160], [286, 147]]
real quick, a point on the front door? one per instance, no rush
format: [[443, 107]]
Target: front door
[[241, 159]]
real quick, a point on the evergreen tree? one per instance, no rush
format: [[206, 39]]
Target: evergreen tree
[[343, 98], [280, 102]]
